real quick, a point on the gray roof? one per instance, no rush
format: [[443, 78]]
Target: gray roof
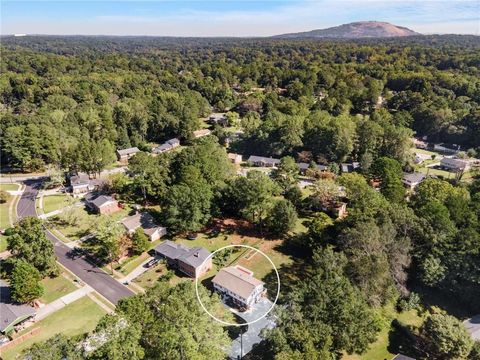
[[162, 148], [9, 311], [267, 160], [237, 280], [191, 256], [402, 357], [473, 327], [349, 167], [128, 151], [305, 166], [415, 177], [141, 219], [99, 201], [81, 179]]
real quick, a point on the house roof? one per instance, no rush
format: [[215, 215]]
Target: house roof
[[79, 180], [402, 357], [191, 256], [9, 311], [267, 160], [239, 282], [349, 167], [141, 219], [415, 177], [101, 200], [163, 147], [233, 156], [201, 132], [305, 166], [473, 327], [129, 151]]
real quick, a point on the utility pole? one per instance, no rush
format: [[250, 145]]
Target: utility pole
[[241, 343]]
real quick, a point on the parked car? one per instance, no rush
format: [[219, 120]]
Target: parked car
[[192, 236], [151, 263]]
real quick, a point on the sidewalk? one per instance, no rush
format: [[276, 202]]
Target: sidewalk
[[62, 302]]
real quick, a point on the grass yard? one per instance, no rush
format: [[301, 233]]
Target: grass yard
[[55, 288], [437, 172], [379, 350], [4, 212], [9, 187], [85, 222], [150, 277], [55, 202], [3, 243], [76, 318], [130, 264]]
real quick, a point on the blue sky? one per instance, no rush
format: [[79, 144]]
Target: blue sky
[[231, 18]]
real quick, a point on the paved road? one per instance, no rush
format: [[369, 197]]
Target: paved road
[[88, 273]]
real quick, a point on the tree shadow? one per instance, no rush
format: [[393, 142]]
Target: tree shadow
[[401, 340]]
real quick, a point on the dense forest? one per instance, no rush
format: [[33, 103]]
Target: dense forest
[[71, 102], [63, 96]]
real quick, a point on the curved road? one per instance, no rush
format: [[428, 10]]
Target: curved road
[[92, 275]]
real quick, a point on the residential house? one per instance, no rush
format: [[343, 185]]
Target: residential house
[[237, 284], [455, 164], [217, 118], [125, 154], [201, 133], [12, 313], [147, 223], [193, 262], [81, 184], [102, 204], [412, 180], [263, 161], [402, 357], [235, 158], [419, 143], [447, 148], [349, 167], [166, 146], [303, 167], [420, 158], [473, 327]]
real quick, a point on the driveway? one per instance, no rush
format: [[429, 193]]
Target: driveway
[[252, 335], [90, 274]]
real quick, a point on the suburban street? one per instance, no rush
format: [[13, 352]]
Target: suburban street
[[92, 275]]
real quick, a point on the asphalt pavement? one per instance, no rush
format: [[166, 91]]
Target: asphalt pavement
[[90, 274]]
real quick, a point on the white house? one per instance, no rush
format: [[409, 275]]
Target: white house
[[237, 284], [412, 180], [455, 164], [146, 222]]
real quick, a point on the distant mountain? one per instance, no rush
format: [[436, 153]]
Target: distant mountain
[[355, 30]]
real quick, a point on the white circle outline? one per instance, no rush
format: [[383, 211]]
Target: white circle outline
[[251, 322]]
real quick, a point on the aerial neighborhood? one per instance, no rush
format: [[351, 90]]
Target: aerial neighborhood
[[304, 196]]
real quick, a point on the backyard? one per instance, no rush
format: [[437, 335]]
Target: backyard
[[55, 202], [76, 318]]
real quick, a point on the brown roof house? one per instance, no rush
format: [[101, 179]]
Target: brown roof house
[[147, 223], [201, 133], [193, 262], [102, 204], [12, 313], [235, 158], [124, 155], [237, 284]]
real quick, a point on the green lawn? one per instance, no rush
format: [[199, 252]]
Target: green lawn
[[55, 202], [3, 243], [130, 264], [4, 213], [9, 187], [379, 349], [56, 288], [85, 222], [149, 278], [437, 172], [76, 318]]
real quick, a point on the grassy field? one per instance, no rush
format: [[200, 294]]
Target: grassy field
[[84, 223], [379, 350], [3, 243], [127, 266], [4, 213], [149, 278], [76, 318], [55, 202], [55, 288], [9, 187]]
